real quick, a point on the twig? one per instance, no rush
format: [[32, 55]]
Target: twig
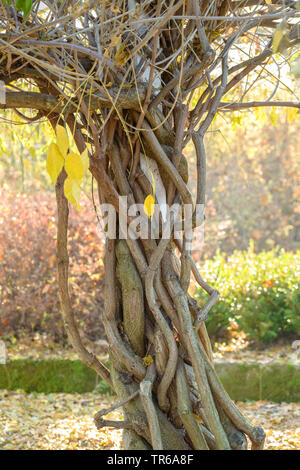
[[105, 411]]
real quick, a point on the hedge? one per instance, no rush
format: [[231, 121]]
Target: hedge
[[259, 293]]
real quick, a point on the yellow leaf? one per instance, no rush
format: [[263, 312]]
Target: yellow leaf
[[62, 140], [274, 115], [291, 114], [149, 205], [214, 35], [55, 161], [68, 190], [279, 33], [74, 166], [268, 2], [32, 152], [236, 121], [121, 55], [198, 418], [72, 191], [72, 143], [260, 115], [85, 160], [147, 360]]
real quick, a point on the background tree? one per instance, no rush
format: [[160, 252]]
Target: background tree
[[135, 82]]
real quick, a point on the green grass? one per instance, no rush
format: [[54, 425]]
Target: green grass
[[274, 382], [50, 376]]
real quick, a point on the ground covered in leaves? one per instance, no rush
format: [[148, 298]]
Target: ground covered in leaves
[[65, 421]]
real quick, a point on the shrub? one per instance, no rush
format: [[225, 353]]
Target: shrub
[[259, 293], [28, 286]]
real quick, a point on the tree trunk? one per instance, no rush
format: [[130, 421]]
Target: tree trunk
[[160, 354]]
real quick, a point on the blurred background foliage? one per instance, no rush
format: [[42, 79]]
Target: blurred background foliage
[[253, 181], [252, 230]]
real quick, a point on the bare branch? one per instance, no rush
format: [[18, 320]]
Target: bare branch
[[256, 104]]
